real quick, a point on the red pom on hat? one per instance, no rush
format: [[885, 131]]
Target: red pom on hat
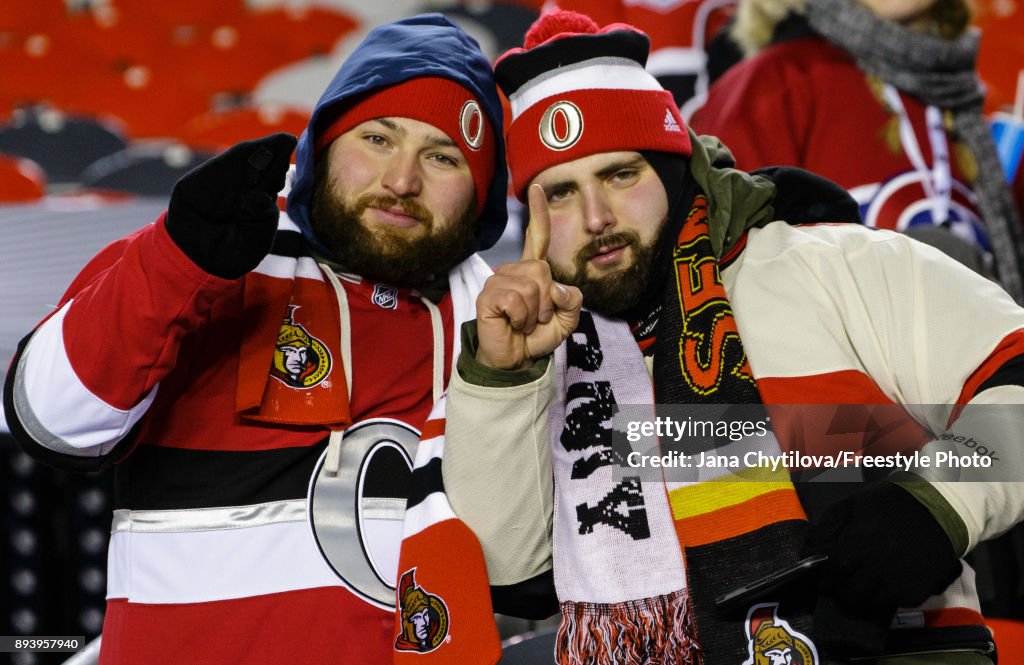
[[558, 23], [577, 89]]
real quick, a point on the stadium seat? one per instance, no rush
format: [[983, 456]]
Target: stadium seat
[[182, 12], [30, 15], [145, 170], [1009, 636], [34, 68], [536, 648], [21, 180], [218, 130], [299, 32], [61, 144], [149, 101]]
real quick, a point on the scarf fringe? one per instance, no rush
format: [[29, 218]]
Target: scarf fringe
[[650, 631]]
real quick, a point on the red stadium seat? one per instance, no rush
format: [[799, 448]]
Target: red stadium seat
[[182, 12], [298, 32], [21, 180], [149, 102], [1009, 636], [37, 68], [30, 15], [218, 130], [221, 59], [119, 41]]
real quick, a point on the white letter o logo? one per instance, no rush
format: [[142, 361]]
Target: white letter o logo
[[561, 126], [471, 124]]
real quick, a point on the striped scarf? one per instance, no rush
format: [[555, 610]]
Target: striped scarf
[[638, 560], [734, 526]]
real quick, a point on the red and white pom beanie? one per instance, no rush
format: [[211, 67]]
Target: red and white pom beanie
[[577, 90]]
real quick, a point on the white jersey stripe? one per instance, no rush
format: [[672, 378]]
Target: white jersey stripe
[[56, 409], [430, 511], [205, 565]]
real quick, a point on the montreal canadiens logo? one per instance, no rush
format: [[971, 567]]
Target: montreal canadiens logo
[[424, 617], [300, 360], [471, 124], [902, 202], [561, 126], [772, 641]]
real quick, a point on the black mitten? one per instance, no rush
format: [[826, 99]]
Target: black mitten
[[223, 213], [885, 551]]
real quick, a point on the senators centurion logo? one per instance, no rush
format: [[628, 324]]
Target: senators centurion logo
[[424, 617], [772, 641], [300, 360]]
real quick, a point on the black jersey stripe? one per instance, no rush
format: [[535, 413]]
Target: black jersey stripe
[[425, 481], [161, 478]]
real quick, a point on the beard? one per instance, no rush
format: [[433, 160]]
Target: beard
[[410, 258], [616, 292]]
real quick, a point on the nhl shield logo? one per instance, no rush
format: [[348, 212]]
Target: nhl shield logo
[[385, 296], [424, 617], [772, 641], [300, 360]]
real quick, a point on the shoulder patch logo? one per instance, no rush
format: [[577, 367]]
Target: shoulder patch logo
[[772, 641], [300, 360], [385, 296], [424, 617]]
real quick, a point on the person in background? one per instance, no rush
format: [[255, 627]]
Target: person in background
[[884, 99]]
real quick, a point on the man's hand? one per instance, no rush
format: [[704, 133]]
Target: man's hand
[[885, 551], [223, 213], [522, 314]]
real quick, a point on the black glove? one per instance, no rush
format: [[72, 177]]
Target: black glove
[[223, 213], [885, 551]]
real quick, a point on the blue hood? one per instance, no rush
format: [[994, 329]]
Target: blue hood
[[425, 45]]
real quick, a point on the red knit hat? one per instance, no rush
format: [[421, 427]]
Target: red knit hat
[[577, 90], [437, 101]]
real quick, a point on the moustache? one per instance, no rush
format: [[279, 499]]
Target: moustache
[[408, 206], [604, 243]]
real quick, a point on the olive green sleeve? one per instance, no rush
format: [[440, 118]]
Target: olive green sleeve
[[478, 374], [940, 509]]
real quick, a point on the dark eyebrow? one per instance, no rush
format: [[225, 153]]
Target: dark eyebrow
[[441, 142], [432, 141], [631, 163], [390, 125], [560, 185]]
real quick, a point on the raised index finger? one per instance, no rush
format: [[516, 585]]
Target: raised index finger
[[538, 230]]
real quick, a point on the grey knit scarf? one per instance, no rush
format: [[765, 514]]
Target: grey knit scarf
[[939, 72]]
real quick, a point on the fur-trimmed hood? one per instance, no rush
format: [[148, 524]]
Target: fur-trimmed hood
[[756, 21]]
